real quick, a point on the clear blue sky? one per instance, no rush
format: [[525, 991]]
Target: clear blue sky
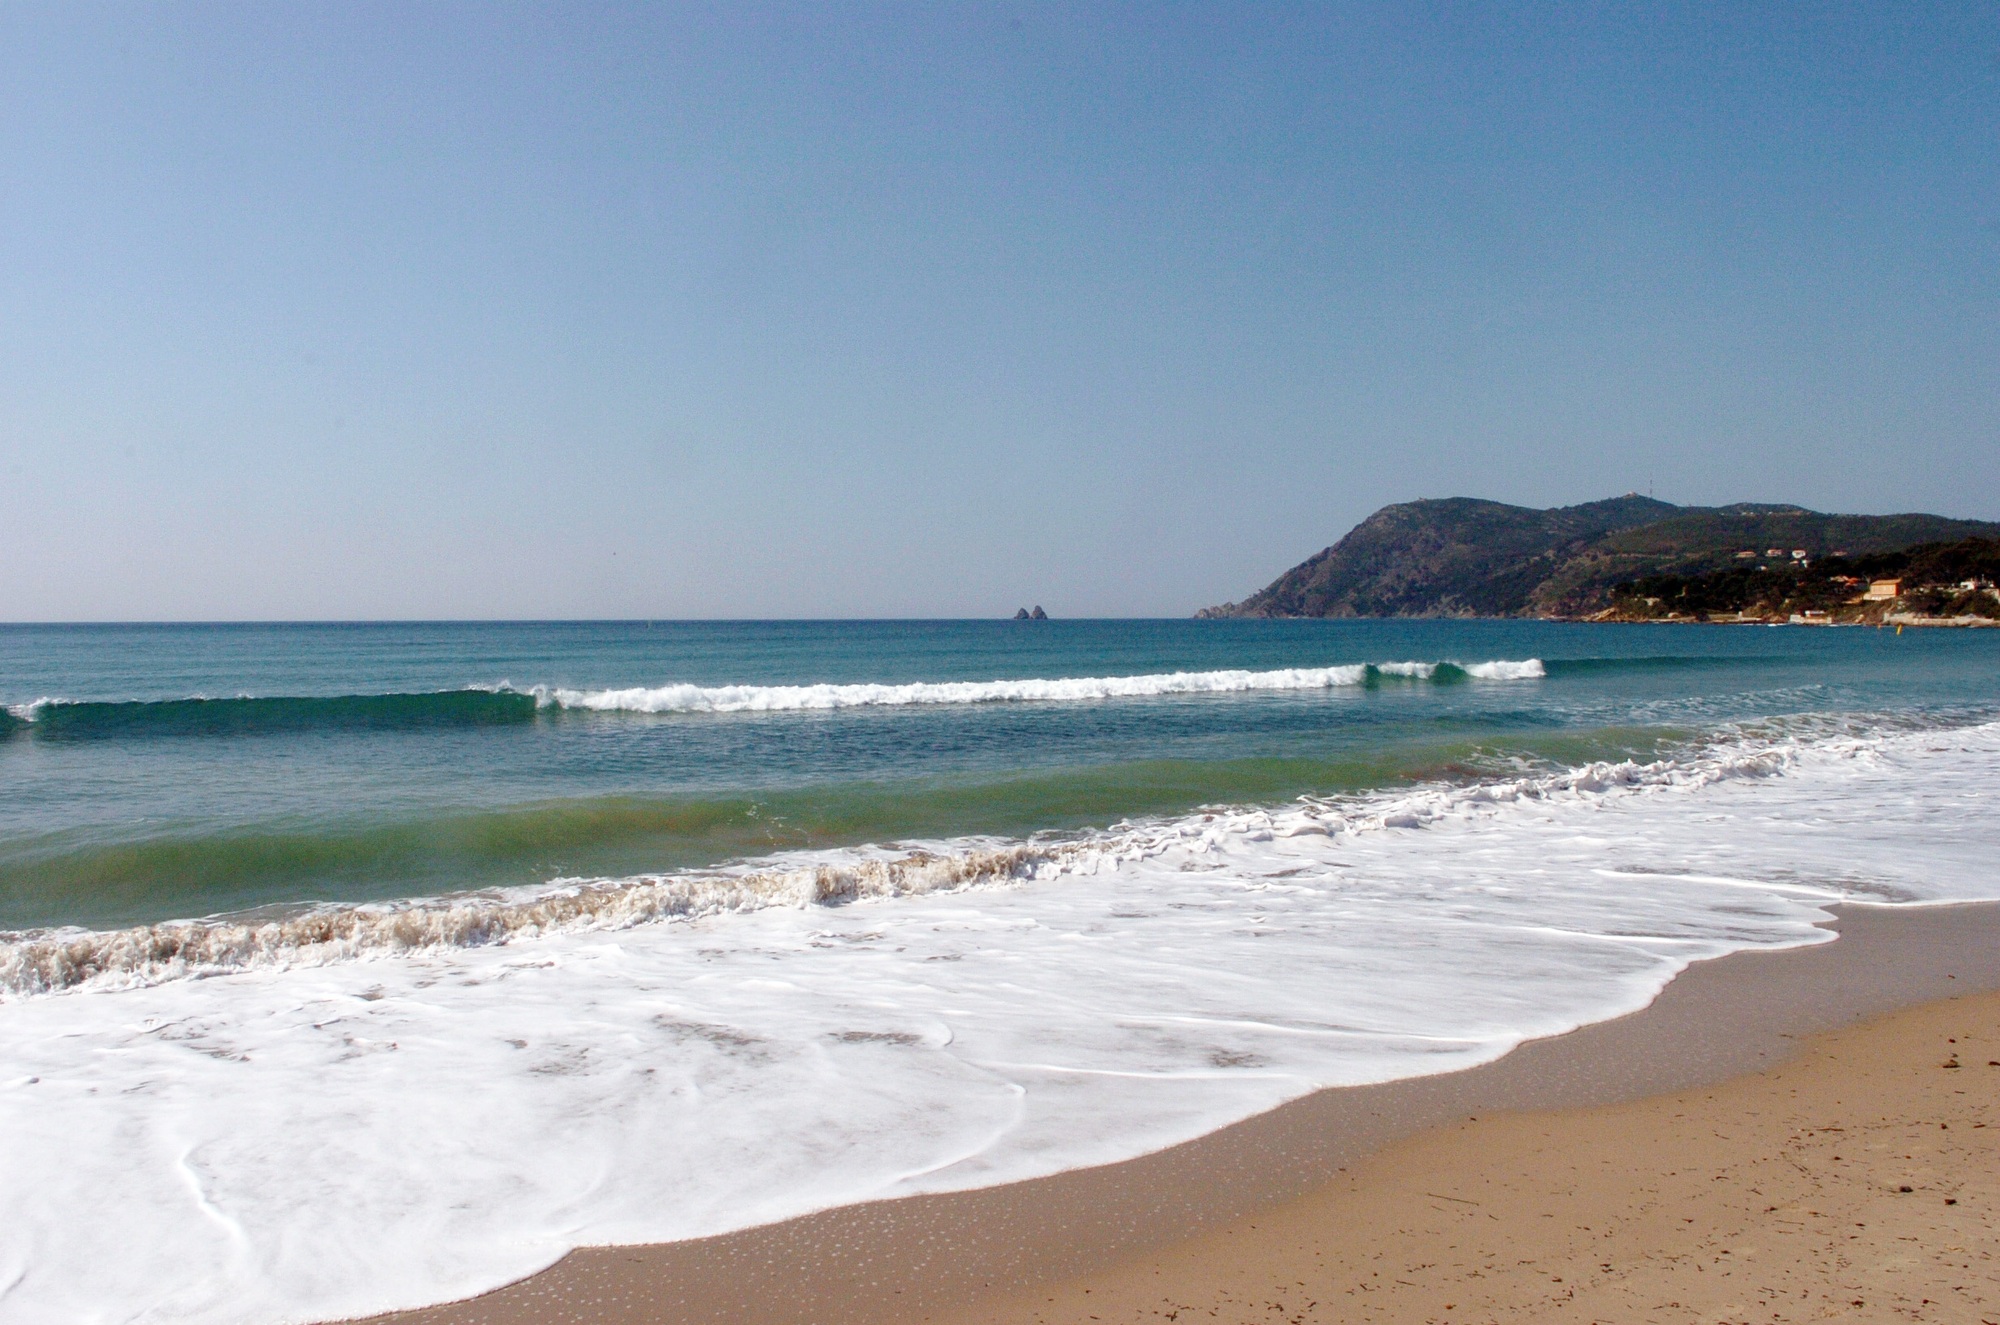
[[389, 310]]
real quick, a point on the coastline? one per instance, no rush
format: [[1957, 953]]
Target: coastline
[[939, 1256], [1858, 1179], [1914, 622]]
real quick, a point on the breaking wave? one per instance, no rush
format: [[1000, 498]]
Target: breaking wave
[[40, 962], [741, 698], [63, 719]]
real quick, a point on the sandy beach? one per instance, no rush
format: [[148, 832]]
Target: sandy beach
[[1856, 1181], [1701, 1159]]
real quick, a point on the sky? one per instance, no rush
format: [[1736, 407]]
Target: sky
[[416, 310]]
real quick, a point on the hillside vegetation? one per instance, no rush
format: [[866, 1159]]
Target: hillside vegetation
[[1462, 557], [1933, 580]]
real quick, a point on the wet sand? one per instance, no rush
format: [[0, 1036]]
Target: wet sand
[[1691, 1147], [1858, 1180]]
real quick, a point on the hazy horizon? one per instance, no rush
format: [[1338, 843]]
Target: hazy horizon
[[455, 312], [698, 620]]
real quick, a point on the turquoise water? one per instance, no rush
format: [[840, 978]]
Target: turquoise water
[[353, 968], [187, 771]]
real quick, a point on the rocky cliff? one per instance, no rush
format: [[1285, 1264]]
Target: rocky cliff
[[1462, 557]]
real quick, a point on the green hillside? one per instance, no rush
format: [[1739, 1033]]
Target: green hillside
[[1933, 581], [1461, 557]]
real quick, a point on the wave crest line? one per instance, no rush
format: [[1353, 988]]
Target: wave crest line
[[44, 962], [690, 698]]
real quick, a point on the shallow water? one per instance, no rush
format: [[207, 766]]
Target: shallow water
[[665, 930], [362, 766]]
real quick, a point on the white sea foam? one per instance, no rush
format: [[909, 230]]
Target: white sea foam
[[44, 962], [309, 1139], [1526, 670], [689, 698], [747, 698], [51, 961]]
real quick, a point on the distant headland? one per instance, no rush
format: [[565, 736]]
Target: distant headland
[[1633, 558]]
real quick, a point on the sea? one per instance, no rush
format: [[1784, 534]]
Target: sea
[[351, 967]]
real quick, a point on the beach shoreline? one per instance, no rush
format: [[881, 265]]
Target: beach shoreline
[[937, 1257], [1858, 1179]]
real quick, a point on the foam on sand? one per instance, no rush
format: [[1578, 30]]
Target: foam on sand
[[320, 1131]]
